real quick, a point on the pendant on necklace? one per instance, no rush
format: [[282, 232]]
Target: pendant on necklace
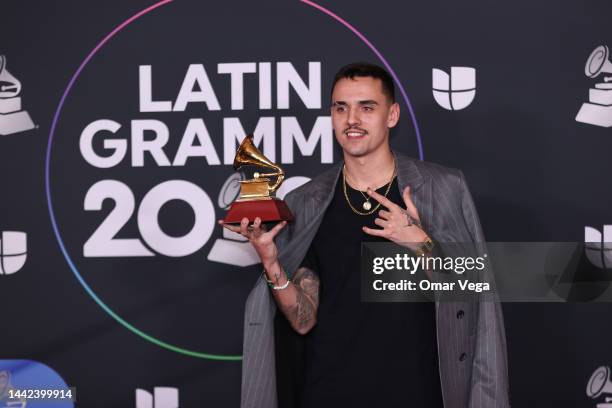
[[367, 205]]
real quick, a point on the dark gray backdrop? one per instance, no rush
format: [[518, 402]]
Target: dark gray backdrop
[[535, 173]]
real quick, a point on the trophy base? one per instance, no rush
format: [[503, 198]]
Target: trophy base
[[15, 122], [593, 114], [268, 210]]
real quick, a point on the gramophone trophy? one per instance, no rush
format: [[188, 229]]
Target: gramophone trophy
[[12, 118], [256, 197], [598, 111]]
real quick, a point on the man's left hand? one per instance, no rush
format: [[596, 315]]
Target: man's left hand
[[402, 226]]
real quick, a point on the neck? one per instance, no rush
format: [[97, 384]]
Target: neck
[[374, 170]]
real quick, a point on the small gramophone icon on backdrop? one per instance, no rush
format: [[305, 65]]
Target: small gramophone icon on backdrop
[[257, 195], [12, 118], [598, 111], [599, 385]]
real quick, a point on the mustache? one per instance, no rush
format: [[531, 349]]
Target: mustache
[[355, 129]]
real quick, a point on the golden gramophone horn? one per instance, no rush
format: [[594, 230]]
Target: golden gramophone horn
[[256, 199], [248, 154]]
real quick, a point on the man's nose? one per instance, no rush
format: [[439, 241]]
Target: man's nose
[[353, 117]]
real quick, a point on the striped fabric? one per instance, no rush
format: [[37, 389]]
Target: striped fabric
[[471, 337]]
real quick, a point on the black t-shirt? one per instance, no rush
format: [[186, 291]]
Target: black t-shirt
[[360, 354]]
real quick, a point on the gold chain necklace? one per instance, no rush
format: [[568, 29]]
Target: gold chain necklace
[[349, 201], [366, 204]]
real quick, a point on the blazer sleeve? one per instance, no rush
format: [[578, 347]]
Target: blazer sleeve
[[489, 383]]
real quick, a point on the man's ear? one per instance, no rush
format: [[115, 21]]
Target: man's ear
[[394, 114]]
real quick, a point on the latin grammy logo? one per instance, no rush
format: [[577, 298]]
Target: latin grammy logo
[[600, 384], [598, 111], [12, 118]]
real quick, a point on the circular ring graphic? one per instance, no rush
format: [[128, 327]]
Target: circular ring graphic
[[73, 79]]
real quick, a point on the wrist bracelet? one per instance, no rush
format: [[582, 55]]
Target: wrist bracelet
[[281, 287], [271, 283], [268, 281]]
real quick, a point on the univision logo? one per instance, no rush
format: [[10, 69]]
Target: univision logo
[[455, 91], [598, 246], [162, 397], [13, 247]]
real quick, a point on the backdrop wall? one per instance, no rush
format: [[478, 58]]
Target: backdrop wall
[[120, 166]]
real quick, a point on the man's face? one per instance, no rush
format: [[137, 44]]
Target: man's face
[[362, 115]]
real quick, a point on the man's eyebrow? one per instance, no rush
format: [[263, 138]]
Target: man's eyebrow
[[365, 102]]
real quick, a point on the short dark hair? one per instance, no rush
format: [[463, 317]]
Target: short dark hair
[[365, 69]]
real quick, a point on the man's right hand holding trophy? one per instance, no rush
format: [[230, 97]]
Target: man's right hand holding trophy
[[297, 297]]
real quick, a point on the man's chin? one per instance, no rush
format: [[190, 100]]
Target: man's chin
[[356, 152]]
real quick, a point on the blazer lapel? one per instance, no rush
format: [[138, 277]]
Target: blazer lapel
[[421, 192], [314, 207], [323, 194], [408, 175]]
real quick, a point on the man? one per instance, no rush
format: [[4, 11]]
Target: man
[[368, 354]]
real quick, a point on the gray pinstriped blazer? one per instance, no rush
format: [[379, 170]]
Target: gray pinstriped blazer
[[471, 337]]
